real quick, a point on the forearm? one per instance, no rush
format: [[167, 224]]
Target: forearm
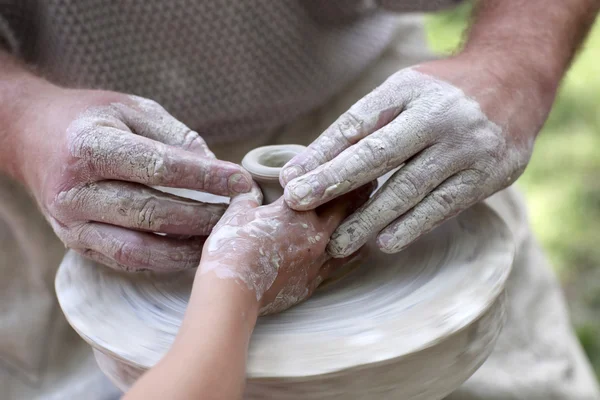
[[18, 89], [532, 39], [208, 358]]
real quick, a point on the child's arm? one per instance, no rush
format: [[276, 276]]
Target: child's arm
[[208, 358], [249, 259]]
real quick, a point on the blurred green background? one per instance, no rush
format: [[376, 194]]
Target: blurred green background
[[562, 181]]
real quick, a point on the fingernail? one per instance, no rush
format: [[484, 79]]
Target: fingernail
[[301, 191], [384, 241], [338, 245], [238, 183], [291, 172]]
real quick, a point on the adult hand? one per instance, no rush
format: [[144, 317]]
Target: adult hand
[[278, 253], [89, 158], [461, 131]]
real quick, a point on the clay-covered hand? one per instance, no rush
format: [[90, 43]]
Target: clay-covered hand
[[274, 251], [459, 132], [90, 157]]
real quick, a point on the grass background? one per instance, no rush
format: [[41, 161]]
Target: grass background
[[562, 181]]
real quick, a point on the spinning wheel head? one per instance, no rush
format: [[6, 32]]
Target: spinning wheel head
[[414, 324]]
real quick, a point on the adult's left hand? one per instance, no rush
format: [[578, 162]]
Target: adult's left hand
[[460, 130]]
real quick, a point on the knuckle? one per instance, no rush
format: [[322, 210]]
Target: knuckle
[[154, 105], [68, 202], [145, 217], [374, 152], [191, 139], [85, 144], [442, 203], [131, 255], [356, 229], [76, 236], [408, 231], [155, 168], [489, 143], [147, 105], [473, 185], [350, 126], [405, 187], [315, 155], [369, 219], [136, 159]]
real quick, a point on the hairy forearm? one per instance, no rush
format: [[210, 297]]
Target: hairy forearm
[[19, 86], [534, 38], [208, 358]]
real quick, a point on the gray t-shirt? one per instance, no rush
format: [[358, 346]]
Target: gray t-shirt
[[228, 69]]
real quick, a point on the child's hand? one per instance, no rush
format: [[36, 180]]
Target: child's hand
[[278, 253]]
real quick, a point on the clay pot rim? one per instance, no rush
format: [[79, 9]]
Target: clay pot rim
[[259, 171]]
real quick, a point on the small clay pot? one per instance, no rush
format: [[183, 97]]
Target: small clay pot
[[265, 163]]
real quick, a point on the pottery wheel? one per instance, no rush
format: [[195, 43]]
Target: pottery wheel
[[412, 325]]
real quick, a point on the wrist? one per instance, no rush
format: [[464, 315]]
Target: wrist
[[516, 69], [224, 301], [22, 94], [505, 89], [240, 270]]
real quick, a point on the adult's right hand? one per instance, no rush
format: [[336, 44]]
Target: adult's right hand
[[89, 157]]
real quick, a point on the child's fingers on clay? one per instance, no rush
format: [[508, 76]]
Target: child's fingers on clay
[[405, 189], [135, 206], [245, 201], [446, 201], [362, 119], [334, 212], [148, 118], [365, 161], [333, 265], [135, 251], [112, 153]]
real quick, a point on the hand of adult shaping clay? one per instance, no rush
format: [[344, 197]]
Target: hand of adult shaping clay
[[278, 253], [90, 157], [460, 133]]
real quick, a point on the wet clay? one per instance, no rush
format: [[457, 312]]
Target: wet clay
[[412, 325], [265, 164]]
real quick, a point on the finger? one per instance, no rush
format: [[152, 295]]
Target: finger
[[450, 198], [329, 271], [137, 251], [114, 154], [406, 188], [148, 118], [365, 117], [333, 213], [245, 201], [135, 206], [102, 259], [369, 159]]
